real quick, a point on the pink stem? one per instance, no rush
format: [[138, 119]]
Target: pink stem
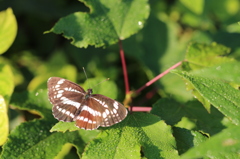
[[158, 77], [141, 109], [124, 67]]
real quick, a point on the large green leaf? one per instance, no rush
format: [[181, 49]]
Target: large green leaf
[[190, 115], [223, 145], [107, 22], [220, 94], [8, 29], [35, 102], [139, 132], [187, 139], [228, 72], [34, 138]]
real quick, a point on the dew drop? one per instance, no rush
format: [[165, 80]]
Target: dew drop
[[140, 23]]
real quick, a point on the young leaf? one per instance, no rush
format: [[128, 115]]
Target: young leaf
[[107, 22], [221, 95], [223, 145], [8, 29], [138, 133]]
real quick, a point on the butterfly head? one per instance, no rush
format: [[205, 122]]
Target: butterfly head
[[88, 94]]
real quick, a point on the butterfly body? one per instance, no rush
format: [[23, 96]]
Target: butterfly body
[[72, 103]]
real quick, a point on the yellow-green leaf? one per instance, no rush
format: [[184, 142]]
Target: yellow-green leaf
[[8, 29], [4, 121]]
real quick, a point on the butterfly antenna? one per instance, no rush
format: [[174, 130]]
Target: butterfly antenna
[[102, 82], [86, 77]]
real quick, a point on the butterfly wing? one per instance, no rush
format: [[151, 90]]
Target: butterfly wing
[[98, 111], [89, 117], [112, 112], [66, 98], [72, 103]]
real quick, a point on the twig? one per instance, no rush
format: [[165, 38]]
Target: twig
[[157, 77], [140, 109], [124, 67]]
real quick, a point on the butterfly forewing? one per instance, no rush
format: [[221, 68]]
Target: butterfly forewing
[[72, 103], [66, 98]]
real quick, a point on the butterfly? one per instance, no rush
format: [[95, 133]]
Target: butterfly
[[72, 103]]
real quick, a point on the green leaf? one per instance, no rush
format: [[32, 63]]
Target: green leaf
[[157, 58], [6, 82], [223, 145], [34, 137], [221, 95], [226, 71], [35, 102], [190, 115], [33, 140], [202, 55], [196, 8], [8, 29], [187, 139], [107, 22], [57, 65], [64, 126], [138, 133], [169, 110], [102, 86], [6, 89], [4, 121]]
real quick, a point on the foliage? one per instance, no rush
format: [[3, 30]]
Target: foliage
[[194, 108]]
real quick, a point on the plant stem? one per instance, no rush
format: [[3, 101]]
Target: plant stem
[[158, 77], [140, 109], [124, 67]]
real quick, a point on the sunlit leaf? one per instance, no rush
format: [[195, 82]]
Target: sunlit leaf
[[138, 132], [107, 22], [223, 145], [220, 94], [8, 29], [4, 121]]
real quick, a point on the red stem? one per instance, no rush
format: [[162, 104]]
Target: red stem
[[141, 109], [158, 77], [124, 67]]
